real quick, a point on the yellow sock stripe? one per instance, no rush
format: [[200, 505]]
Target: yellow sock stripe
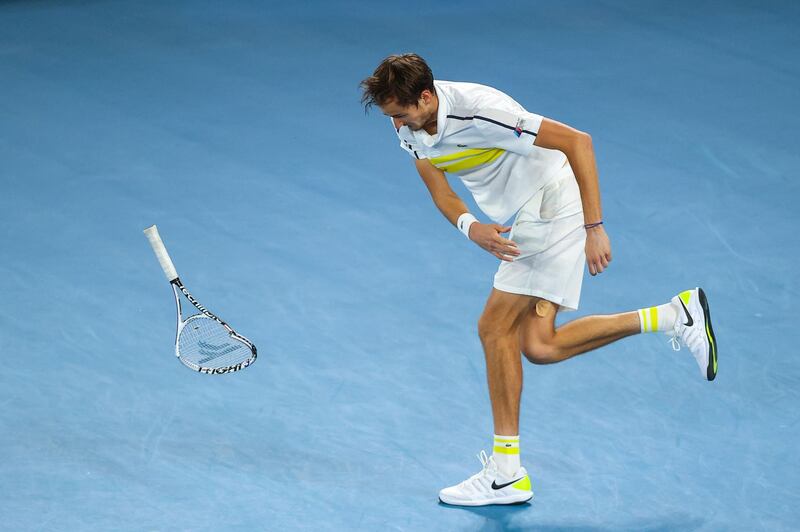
[[466, 160], [643, 319], [506, 450], [506, 439], [653, 319]]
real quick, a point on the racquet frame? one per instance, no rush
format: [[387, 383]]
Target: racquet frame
[[177, 287]]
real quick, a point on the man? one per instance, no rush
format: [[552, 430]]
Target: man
[[516, 162]]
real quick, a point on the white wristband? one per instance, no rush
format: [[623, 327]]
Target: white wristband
[[464, 222]]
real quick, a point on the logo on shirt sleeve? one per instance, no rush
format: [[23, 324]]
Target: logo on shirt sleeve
[[519, 127]]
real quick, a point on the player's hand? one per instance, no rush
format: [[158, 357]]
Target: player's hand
[[598, 250], [488, 237]]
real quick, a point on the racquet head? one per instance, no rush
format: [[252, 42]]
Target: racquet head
[[207, 345]]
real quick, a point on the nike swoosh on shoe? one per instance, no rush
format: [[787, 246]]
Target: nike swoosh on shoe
[[689, 316], [501, 486]]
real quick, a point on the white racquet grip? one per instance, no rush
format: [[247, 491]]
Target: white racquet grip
[[161, 253]]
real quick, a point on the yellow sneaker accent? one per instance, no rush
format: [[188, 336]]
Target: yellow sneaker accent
[[685, 296], [523, 484], [713, 347]]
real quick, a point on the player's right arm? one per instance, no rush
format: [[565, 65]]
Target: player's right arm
[[451, 206]]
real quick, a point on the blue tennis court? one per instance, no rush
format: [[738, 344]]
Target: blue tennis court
[[236, 127]]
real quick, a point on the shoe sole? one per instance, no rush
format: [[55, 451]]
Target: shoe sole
[[711, 370], [494, 502]]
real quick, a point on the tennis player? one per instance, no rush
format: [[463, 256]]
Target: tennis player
[[543, 173]]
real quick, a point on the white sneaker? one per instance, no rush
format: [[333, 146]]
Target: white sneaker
[[693, 327], [488, 487]]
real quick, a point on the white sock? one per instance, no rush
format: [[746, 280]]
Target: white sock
[[661, 318], [506, 454]]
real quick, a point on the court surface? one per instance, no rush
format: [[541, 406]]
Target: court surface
[[236, 127]]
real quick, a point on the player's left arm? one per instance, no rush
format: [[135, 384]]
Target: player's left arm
[[577, 146]]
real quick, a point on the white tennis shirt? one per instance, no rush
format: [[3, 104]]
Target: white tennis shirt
[[486, 138]]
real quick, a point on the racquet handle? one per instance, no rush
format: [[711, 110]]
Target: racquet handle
[[161, 253]]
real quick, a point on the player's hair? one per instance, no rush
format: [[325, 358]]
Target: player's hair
[[399, 77]]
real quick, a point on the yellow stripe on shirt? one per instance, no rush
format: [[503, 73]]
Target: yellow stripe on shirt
[[466, 160]]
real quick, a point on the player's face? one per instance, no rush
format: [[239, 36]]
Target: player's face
[[415, 117]]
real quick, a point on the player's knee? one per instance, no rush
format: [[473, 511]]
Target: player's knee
[[540, 352], [485, 328], [491, 330]]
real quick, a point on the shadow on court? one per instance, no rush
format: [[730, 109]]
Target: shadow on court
[[499, 518]]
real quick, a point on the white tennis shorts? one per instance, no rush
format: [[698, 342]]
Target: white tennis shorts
[[549, 232]]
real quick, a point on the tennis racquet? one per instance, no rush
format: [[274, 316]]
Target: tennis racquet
[[203, 342]]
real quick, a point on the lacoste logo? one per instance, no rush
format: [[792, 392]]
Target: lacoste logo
[[690, 321], [461, 145], [501, 486]]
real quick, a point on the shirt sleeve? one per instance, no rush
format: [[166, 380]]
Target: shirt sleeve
[[513, 131]]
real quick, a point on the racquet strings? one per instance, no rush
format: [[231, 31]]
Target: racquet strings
[[205, 342]]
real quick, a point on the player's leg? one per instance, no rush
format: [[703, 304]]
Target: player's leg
[[543, 343], [686, 316], [551, 258], [502, 480], [498, 329]]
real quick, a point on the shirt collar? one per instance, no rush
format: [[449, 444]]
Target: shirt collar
[[441, 119]]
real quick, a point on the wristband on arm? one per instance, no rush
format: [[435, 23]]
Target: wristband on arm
[[589, 226], [464, 222]]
